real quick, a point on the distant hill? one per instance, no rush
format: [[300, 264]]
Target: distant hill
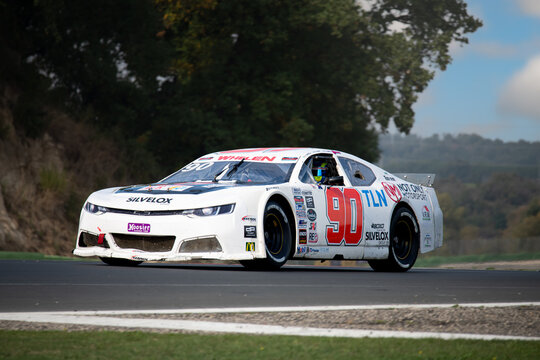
[[470, 158]]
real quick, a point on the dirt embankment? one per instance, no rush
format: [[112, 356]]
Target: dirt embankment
[[44, 180]]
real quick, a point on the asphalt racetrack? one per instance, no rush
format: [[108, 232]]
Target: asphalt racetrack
[[29, 285]]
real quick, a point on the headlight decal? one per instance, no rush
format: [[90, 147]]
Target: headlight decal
[[95, 209], [206, 211]]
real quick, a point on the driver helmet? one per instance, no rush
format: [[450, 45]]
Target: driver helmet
[[320, 171]]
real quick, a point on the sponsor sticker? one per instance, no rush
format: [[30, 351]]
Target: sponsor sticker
[[296, 191], [157, 200], [302, 236], [392, 191], [377, 226], [249, 218], [301, 249], [250, 246], [312, 215], [377, 200], [427, 240], [412, 192], [313, 237], [309, 202], [300, 206], [301, 213], [299, 199], [247, 158], [250, 231], [140, 228], [425, 213], [376, 235], [313, 226], [302, 224]]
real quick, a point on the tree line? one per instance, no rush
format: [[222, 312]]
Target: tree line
[[171, 80], [489, 190]]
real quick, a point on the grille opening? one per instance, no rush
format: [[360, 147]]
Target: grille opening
[[204, 244], [144, 242], [86, 239]]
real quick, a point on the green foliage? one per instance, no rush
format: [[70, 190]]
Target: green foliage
[[72, 206], [52, 179], [236, 74], [524, 221], [124, 345], [502, 207], [317, 73], [101, 57], [469, 158]]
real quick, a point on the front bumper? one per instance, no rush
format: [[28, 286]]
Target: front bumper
[[164, 238]]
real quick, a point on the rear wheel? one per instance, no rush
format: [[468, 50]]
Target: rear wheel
[[277, 239], [119, 262], [404, 243]]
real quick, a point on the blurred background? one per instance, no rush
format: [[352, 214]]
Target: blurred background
[[99, 94]]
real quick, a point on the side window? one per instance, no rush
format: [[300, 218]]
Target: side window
[[359, 174], [318, 169]]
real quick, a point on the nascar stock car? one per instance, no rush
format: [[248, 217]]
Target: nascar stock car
[[263, 207]]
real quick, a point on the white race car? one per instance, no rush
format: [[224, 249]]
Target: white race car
[[264, 206]]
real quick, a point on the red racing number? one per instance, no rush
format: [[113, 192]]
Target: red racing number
[[344, 210]]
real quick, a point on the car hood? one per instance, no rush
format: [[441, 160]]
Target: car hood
[[170, 196]]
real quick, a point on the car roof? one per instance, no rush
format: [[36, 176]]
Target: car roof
[[274, 154]]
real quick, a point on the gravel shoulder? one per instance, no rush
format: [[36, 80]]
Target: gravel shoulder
[[514, 321]]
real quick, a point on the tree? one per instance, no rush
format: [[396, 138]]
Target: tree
[[101, 57], [311, 72]]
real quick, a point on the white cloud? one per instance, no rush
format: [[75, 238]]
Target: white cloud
[[530, 7], [521, 94]]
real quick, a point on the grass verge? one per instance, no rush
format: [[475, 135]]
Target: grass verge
[[429, 261], [16, 255], [124, 345]]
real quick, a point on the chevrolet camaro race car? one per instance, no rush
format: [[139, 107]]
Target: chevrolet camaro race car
[[263, 207]]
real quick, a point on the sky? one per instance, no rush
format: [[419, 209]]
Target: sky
[[492, 86]]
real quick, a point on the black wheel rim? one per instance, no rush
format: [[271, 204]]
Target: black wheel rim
[[403, 239], [273, 234]]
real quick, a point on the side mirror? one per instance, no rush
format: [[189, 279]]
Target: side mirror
[[335, 180]]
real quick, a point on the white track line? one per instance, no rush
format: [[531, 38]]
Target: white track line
[[293, 308], [91, 318]]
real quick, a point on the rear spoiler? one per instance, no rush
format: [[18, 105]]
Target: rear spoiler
[[419, 179]]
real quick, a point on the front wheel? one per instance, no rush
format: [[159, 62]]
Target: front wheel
[[119, 262], [277, 239], [404, 243]]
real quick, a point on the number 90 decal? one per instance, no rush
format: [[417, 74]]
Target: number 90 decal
[[344, 211], [196, 166]]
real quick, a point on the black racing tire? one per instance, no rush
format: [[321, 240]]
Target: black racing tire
[[277, 238], [119, 262], [404, 243]]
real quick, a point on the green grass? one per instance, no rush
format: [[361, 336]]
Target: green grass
[[51, 179], [17, 255], [139, 345], [429, 261]]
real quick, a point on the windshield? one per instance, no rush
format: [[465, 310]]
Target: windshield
[[244, 172]]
